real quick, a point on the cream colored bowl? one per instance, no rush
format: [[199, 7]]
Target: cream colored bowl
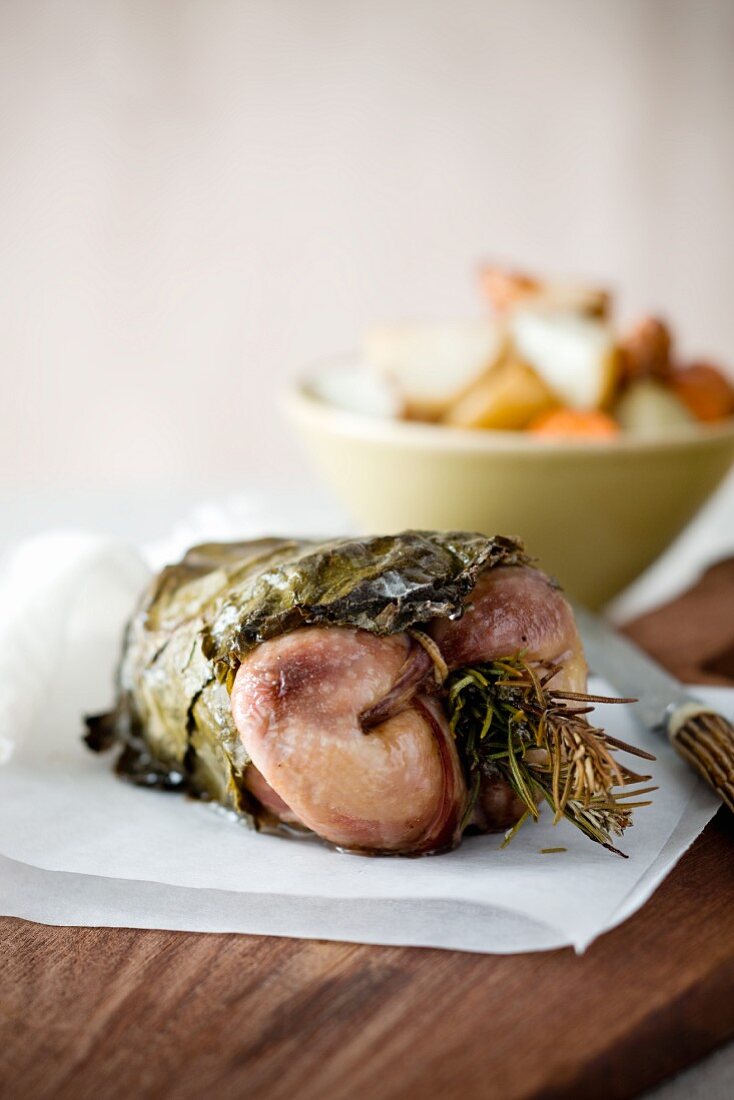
[[595, 515]]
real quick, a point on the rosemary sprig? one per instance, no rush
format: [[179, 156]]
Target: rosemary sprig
[[509, 722]]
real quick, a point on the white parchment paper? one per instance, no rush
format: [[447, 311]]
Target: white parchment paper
[[78, 846]]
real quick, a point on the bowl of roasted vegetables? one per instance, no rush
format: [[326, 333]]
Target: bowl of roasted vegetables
[[597, 443]]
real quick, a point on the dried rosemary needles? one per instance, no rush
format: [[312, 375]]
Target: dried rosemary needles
[[507, 721]]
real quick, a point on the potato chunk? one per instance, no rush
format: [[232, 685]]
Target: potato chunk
[[431, 365], [508, 397]]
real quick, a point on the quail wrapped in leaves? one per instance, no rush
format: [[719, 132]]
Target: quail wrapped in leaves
[[351, 689]]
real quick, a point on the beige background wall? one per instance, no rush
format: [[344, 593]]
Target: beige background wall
[[196, 196]]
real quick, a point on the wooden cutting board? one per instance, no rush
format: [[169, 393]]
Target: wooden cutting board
[[88, 1012]]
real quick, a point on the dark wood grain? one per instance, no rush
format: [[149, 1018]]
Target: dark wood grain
[[102, 1013], [694, 635]]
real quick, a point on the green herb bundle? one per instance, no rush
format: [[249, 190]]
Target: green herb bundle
[[508, 721]]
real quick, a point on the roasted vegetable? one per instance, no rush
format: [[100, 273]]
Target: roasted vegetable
[[574, 355], [574, 424], [507, 397], [649, 409], [705, 390], [507, 289], [646, 350], [431, 365], [304, 685]]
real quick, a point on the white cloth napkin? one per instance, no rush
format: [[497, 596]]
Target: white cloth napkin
[[78, 846], [52, 590]]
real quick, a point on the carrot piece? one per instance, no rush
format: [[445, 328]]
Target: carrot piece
[[574, 424]]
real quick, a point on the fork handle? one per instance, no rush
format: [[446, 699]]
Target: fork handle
[[705, 740]]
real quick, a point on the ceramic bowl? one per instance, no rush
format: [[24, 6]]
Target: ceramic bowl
[[595, 515]]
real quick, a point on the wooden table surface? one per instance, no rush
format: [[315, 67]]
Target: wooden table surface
[[108, 1013]]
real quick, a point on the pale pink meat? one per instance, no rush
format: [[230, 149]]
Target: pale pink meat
[[515, 608], [270, 800], [362, 773], [346, 739]]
